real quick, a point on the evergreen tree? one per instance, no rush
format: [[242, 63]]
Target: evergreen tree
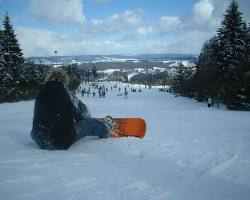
[[179, 76], [180, 79], [13, 59], [232, 38], [13, 53], [74, 77], [33, 77], [208, 74], [1, 48], [244, 95], [248, 42], [2, 68], [94, 72]]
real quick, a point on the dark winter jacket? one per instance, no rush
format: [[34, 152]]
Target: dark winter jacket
[[54, 115]]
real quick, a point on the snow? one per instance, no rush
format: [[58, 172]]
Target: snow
[[159, 68], [113, 59], [168, 61], [186, 63], [189, 152], [136, 71], [109, 71], [130, 75], [74, 62]]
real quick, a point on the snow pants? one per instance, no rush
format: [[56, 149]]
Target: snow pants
[[91, 127]]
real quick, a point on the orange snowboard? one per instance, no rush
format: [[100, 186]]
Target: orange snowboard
[[123, 127]]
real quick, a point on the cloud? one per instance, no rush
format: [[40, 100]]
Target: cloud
[[189, 42], [194, 28], [58, 11], [202, 18], [101, 1], [113, 27], [245, 7], [170, 23], [126, 32], [130, 32], [37, 42], [144, 31], [50, 41], [186, 33], [221, 5], [203, 11], [116, 23]]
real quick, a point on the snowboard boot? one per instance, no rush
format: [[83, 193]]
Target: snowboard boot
[[109, 123], [112, 126]]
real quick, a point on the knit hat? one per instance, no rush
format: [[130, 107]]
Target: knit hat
[[58, 74]]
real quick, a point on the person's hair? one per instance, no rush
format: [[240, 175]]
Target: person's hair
[[59, 75]]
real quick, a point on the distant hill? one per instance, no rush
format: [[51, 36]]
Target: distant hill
[[65, 60]]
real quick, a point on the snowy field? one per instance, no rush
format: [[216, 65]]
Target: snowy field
[[189, 152]]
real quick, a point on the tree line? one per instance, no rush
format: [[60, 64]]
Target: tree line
[[149, 78], [223, 66]]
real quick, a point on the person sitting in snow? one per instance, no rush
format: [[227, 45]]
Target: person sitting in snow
[[60, 119]]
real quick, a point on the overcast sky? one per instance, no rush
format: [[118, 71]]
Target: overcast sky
[[77, 27]]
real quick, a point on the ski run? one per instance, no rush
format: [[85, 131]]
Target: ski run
[[189, 152]]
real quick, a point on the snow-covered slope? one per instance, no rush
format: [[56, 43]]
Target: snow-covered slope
[[189, 152]]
